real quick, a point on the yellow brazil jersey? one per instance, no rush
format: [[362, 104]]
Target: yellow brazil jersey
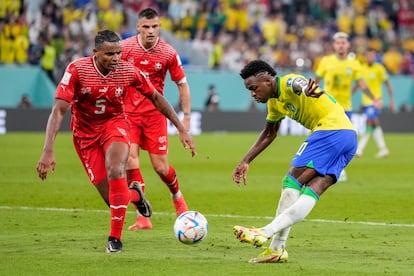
[[321, 113], [338, 76], [374, 76]]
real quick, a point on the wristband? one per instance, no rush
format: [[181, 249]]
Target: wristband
[[187, 113]]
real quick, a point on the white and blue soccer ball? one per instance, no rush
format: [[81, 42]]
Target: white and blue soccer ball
[[191, 227]]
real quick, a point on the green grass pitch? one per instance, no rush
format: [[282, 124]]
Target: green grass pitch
[[59, 227]]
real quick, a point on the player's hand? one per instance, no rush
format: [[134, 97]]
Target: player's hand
[[378, 103], [311, 89], [240, 172], [188, 142], [392, 105], [46, 163]]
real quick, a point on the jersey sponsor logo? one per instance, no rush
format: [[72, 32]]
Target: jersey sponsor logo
[[119, 91], [66, 78], [103, 90]]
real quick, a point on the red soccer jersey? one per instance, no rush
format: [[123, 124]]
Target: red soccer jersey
[[154, 62], [95, 98]]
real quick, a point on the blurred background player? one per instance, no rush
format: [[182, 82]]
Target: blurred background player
[[154, 57], [339, 71], [94, 87], [375, 75], [318, 162], [213, 99]]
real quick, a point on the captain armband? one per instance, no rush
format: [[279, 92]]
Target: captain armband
[[183, 80]]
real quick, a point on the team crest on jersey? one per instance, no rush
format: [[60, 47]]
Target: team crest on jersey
[[130, 60], [348, 71], [289, 82], [158, 66], [119, 91], [291, 107], [86, 90]]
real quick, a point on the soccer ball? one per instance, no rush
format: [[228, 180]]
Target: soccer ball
[[191, 227]]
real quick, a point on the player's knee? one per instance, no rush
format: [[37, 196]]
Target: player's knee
[[116, 171]]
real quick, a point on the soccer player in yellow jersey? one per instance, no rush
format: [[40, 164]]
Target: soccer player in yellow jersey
[[375, 75], [316, 165], [338, 72]]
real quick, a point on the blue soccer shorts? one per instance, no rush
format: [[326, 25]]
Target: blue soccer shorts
[[371, 112], [327, 151]]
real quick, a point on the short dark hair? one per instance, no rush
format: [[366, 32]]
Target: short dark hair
[[255, 67], [148, 13], [106, 36]]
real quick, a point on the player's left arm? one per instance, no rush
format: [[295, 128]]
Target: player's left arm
[[365, 89], [390, 94], [185, 101]]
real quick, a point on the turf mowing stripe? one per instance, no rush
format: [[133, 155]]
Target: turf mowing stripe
[[209, 215]]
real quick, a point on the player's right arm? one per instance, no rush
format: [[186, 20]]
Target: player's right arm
[[47, 160], [265, 138]]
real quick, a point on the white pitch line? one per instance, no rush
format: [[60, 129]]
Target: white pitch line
[[209, 215]]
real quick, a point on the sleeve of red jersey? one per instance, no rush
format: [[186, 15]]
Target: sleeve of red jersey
[[176, 70], [66, 87], [143, 84]]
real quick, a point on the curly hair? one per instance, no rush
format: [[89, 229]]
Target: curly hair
[[256, 66]]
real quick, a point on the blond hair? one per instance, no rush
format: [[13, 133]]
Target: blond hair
[[340, 35]]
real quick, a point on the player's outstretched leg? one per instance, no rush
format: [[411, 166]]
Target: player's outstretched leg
[[254, 236]]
